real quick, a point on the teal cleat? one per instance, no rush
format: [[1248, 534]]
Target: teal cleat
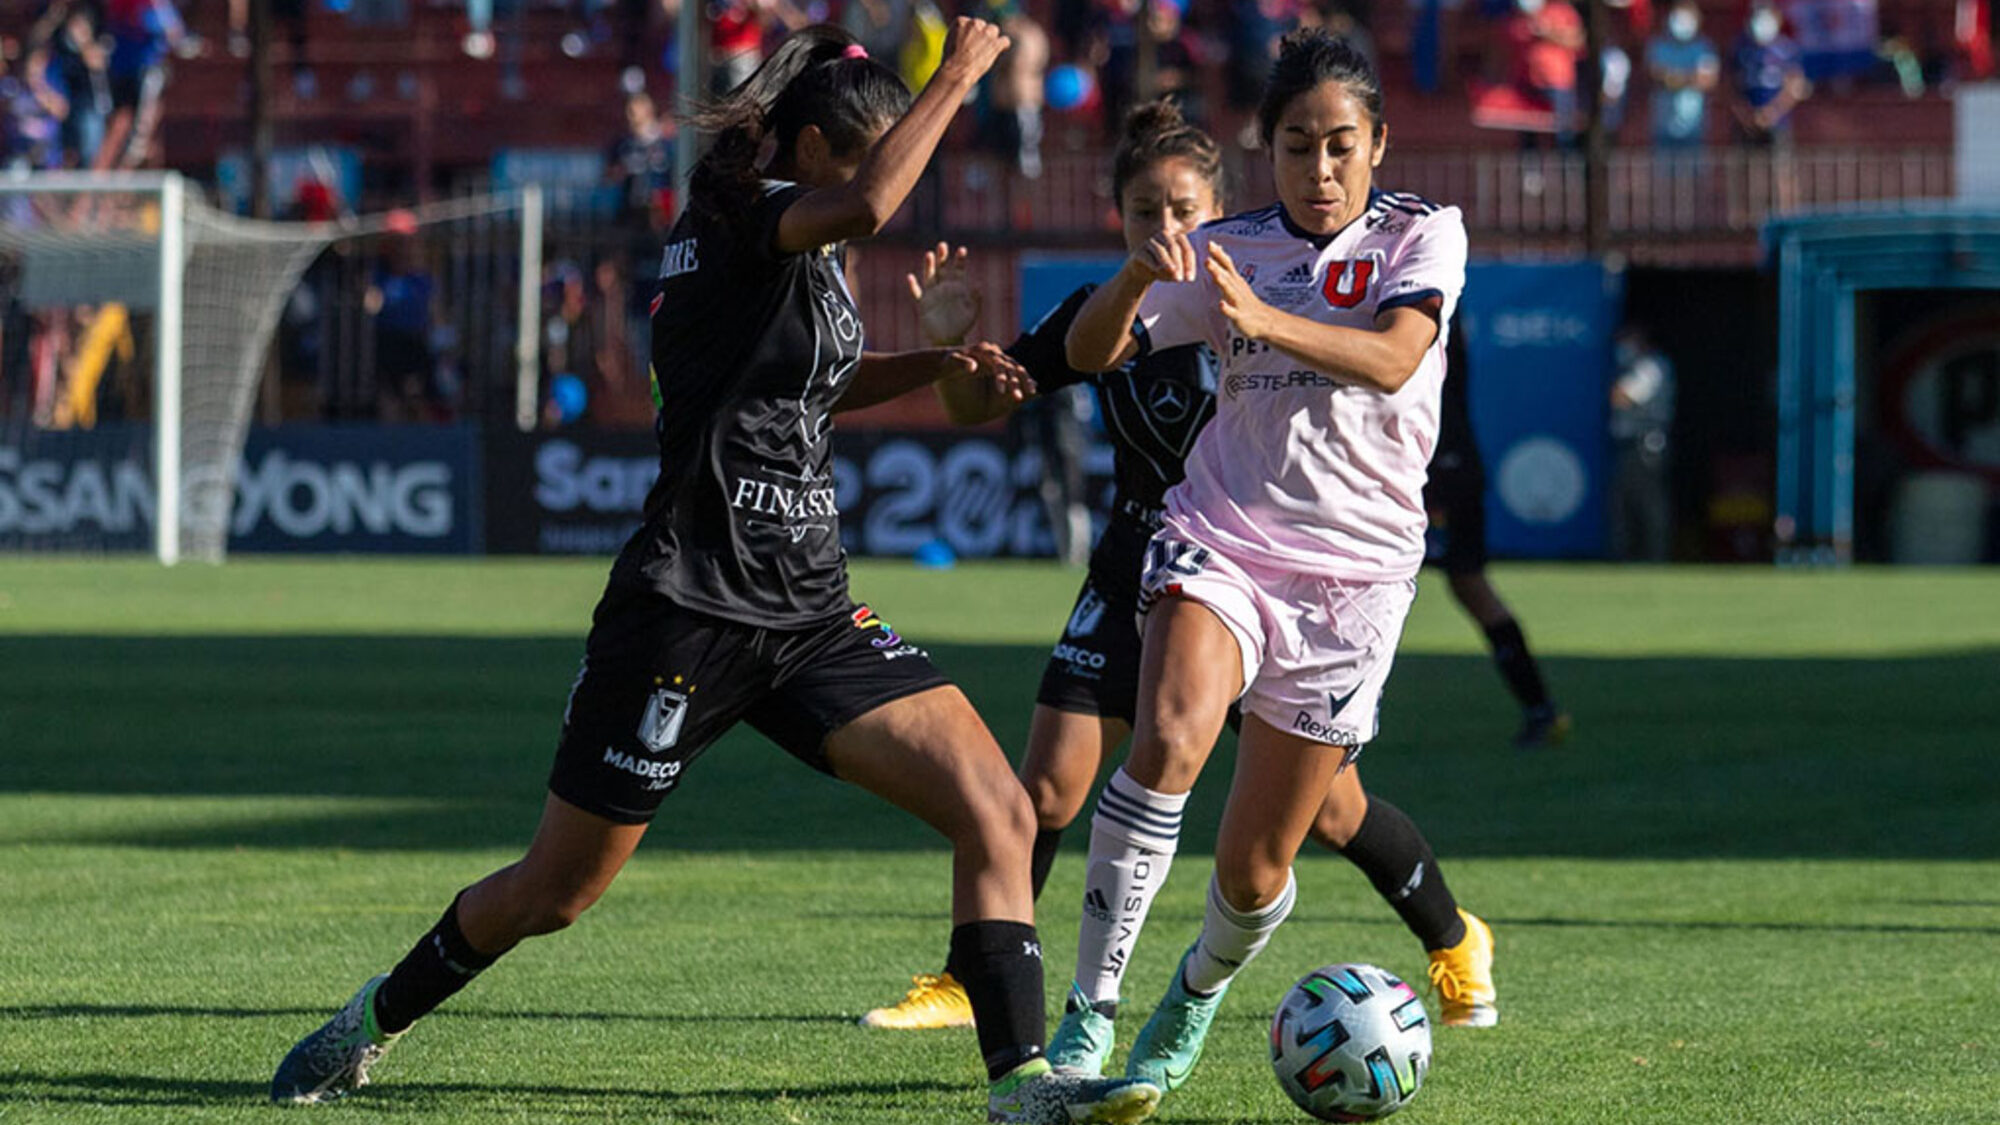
[[1082, 1043], [1170, 1043], [1034, 1094], [333, 1061]]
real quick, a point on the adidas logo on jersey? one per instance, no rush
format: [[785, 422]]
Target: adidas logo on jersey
[[1301, 274]]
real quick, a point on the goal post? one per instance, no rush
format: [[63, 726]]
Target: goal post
[[139, 264]]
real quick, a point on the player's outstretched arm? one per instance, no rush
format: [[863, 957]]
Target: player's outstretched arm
[[1101, 337], [864, 205], [882, 376]]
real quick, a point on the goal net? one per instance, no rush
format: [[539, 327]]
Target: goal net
[[135, 326]]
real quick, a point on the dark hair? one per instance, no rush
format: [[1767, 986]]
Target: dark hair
[[1311, 56], [817, 76], [1156, 131]]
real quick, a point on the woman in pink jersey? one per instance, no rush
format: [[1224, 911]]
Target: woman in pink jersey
[[1286, 563]]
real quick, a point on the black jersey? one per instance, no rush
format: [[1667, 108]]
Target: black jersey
[[1153, 407], [751, 349], [1456, 450]]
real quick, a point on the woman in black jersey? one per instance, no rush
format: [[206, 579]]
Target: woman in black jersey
[[730, 603], [1166, 178]]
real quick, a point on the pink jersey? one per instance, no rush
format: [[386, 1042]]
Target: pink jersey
[[1299, 472]]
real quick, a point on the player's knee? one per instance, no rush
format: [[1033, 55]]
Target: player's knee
[[1251, 885], [1055, 803], [1334, 825], [1168, 757], [997, 817]]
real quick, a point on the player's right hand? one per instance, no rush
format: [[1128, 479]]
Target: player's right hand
[[971, 48], [947, 304], [1167, 256]]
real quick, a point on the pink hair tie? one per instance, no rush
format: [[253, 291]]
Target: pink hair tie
[[854, 51]]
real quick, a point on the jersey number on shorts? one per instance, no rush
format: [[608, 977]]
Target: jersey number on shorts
[[1168, 561]]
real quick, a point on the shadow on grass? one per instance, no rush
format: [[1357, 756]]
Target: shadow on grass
[[154, 1090], [183, 1011], [1308, 917], [1672, 758]]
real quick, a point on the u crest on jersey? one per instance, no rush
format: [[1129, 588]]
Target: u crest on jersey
[[1346, 283]]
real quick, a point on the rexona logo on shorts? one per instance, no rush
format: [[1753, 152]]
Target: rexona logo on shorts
[[1319, 730]]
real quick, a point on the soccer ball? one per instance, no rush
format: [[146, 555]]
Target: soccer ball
[[1351, 1043]]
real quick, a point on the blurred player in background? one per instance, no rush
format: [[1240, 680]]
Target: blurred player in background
[[1455, 496]]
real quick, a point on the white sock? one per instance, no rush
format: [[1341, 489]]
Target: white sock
[[1132, 840], [1231, 938]]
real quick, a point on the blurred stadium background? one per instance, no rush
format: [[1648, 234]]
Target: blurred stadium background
[[1834, 400]]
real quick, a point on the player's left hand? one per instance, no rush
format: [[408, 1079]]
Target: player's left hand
[[986, 361], [1246, 311]]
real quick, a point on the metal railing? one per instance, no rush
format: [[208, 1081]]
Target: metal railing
[[1717, 197]]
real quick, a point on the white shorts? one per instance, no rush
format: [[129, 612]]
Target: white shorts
[[1316, 651]]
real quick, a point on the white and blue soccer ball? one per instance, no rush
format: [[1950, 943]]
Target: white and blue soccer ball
[[1351, 1043]]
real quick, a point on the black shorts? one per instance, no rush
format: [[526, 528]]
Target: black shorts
[[1094, 669], [135, 88], [660, 683], [1456, 500]]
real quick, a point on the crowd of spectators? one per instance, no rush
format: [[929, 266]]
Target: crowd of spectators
[[81, 87]]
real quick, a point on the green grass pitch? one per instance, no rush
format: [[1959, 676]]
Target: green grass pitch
[[1762, 884]]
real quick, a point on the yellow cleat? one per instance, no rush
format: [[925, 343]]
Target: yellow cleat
[[1463, 978], [935, 1000]]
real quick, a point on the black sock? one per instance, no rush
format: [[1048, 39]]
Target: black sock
[[1517, 664], [440, 964], [1392, 852], [1000, 965], [1047, 840]]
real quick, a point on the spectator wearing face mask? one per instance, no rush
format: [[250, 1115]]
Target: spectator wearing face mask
[[1684, 68], [1770, 83]]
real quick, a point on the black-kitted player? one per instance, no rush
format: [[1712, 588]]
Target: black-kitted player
[[1455, 495], [730, 604]]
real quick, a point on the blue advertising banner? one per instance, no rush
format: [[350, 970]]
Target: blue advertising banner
[[1538, 340], [76, 490], [401, 489], [583, 492]]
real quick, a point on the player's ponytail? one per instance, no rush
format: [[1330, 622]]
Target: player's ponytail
[[1307, 58], [1156, 131], [818, 76]]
